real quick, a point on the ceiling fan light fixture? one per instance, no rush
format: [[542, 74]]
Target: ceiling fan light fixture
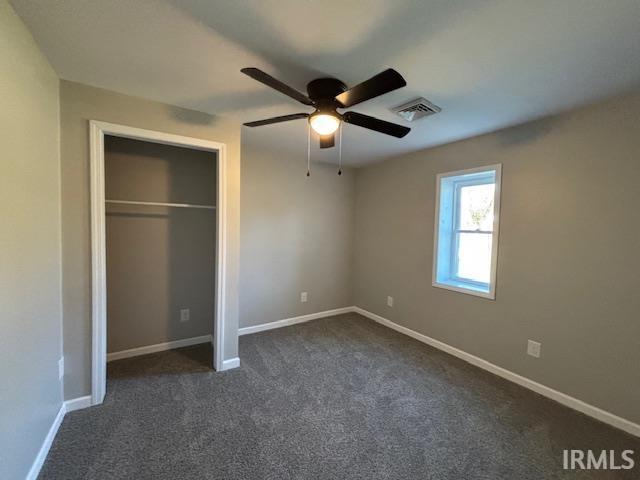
[[324, 124]]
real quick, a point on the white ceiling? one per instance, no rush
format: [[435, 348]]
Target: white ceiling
[[488, 64]]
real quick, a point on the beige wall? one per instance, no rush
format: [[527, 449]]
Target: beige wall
[[79, 104], [30, 313], [296, 235], [159, 260], [568, 261]]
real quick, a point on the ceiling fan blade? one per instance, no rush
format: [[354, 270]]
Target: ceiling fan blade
[[376, 124], [327, 141], [380, 84], [269, 81], [283, 118]]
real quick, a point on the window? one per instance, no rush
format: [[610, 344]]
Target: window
[[466, 230]]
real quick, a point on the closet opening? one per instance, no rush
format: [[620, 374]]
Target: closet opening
[[158, 253]]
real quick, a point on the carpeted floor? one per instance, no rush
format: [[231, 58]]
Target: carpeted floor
[[337, 398]]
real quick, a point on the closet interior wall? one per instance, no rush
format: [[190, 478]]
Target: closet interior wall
[[160, 259]]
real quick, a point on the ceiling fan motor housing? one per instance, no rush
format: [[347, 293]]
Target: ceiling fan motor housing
[[323, 92]]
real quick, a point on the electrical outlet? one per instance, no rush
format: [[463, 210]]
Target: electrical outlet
[[60, 368], [303, 297], [533, 348], [185, 314], [389, 301]]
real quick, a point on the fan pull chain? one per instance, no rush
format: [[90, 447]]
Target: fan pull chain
[[308, 149], [340, 152]]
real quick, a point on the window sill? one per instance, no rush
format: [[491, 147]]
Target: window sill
[[461, 287]]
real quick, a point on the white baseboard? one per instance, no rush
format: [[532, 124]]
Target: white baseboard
[[159, 347], [66, 407], [77, 403], [571, 402], [231, 363], [46, 445], [292, 321]]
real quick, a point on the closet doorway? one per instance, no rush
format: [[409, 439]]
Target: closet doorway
[[174, 207]]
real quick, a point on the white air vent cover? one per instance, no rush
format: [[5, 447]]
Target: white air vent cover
[[416, 109]]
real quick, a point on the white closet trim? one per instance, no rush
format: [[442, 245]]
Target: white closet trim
[[97, 131]]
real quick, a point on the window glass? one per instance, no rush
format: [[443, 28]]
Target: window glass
[[476, 207], [474, 257]]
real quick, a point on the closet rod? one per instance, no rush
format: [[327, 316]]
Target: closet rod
[[161, 204]]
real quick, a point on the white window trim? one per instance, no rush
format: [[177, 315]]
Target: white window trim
[[491, 294]]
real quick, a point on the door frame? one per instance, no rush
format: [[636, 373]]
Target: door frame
[[97, 131]]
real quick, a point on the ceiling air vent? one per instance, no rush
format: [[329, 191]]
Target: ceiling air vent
[[416, 109]]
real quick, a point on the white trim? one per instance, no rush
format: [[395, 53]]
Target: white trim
[[219, 331], [231, 363], [469, 291], [77, 403], [36, 466], [158, 347], [491, 294], [66, 407], [97, 131], [292, 321], [571, 402], [98, 266]]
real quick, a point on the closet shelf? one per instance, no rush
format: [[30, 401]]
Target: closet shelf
[[161, 204]]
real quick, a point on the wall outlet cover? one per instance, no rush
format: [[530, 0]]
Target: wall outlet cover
[[60, 368], [185, 314], [389, 301], [533, 348], [303, 297]]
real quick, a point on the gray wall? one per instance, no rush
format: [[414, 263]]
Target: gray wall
[[30, 316], [79, 104], [159, 259], [568, 260], [296, 235]]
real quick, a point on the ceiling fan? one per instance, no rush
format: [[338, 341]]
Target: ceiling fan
[[327, 95]]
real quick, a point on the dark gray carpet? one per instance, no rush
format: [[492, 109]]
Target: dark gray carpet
[[337, 398]]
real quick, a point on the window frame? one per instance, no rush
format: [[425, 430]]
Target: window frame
[[455, 283]]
